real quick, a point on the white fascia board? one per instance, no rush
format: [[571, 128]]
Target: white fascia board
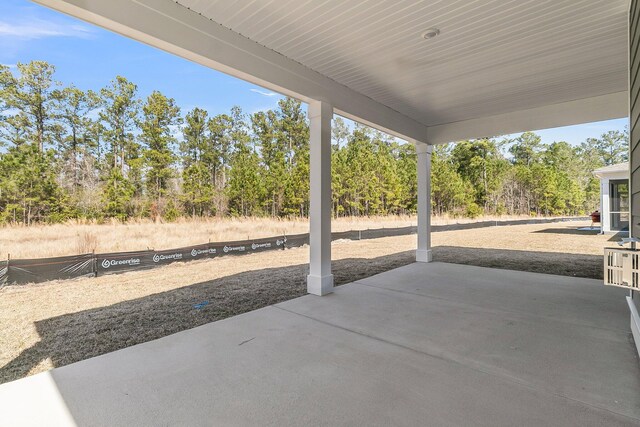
[[604, 107], [612, 175], [173, 28]]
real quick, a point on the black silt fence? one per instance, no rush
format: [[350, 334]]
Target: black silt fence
[[171, 255], [466, 226], [4, 273], [250, 246], [296, 240], [121, 262], [498, 223], [207, 250], [45, 269], [346, 235], [267, 244], [20, 271], [387, 232]]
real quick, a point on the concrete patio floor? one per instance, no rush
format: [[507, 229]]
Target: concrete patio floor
[[425, 344]]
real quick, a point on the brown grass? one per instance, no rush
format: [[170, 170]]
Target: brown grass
[[57, 323], [87, 242], [74, 238]]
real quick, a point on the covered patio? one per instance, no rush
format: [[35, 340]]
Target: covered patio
[[427, 72], [425, 344]]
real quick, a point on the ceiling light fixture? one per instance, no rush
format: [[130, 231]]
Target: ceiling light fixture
[[430, 33]]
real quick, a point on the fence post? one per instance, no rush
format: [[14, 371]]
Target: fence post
[[94, 263]]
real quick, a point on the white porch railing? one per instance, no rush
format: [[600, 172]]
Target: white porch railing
[[621, 268]]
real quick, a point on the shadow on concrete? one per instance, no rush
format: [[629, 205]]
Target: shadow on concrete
[[619, 236], [77, 336]]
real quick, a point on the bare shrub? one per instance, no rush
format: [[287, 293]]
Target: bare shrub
[[86, 242]]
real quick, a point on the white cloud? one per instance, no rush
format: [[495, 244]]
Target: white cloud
[[260, 110], [36, 28], [264, 93]]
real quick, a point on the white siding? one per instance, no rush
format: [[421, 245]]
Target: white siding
[[634, 134]]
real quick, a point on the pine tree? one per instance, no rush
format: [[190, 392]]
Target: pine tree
[[449, 192], [9, 133], [292, 133], [119, 115], [481, 163], [244, 190], [274, 165], [32, 95], [407, 175], [159, 117], [526, 149], [197, 185], [76, 147], [117, 195], [223, 130], [612, 147], [29, 192]]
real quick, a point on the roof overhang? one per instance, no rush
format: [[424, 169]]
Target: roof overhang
[[603, 107], [617, 171], [170, 26]]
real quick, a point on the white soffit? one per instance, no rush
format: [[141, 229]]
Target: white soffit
[[498, 66], [492, 56]]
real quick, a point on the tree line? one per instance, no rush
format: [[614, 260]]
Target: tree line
[[69, 153]]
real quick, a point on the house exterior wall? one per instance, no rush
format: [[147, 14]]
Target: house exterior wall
[[634, 114], [634, 145]]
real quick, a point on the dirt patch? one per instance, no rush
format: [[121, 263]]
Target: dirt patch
[[57, 323]]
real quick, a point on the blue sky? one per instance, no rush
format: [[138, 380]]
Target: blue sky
[[90, 57]]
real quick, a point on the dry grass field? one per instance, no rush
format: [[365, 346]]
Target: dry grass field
[[74, 238], [57, 323]]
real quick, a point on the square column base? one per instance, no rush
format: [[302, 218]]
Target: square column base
[[424, 255], [320, 285]]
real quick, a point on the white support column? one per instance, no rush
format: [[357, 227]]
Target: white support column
[[423, 253], [605, 215], [320, 279]]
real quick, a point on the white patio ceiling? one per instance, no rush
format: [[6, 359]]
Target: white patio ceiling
[[498, 66]]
